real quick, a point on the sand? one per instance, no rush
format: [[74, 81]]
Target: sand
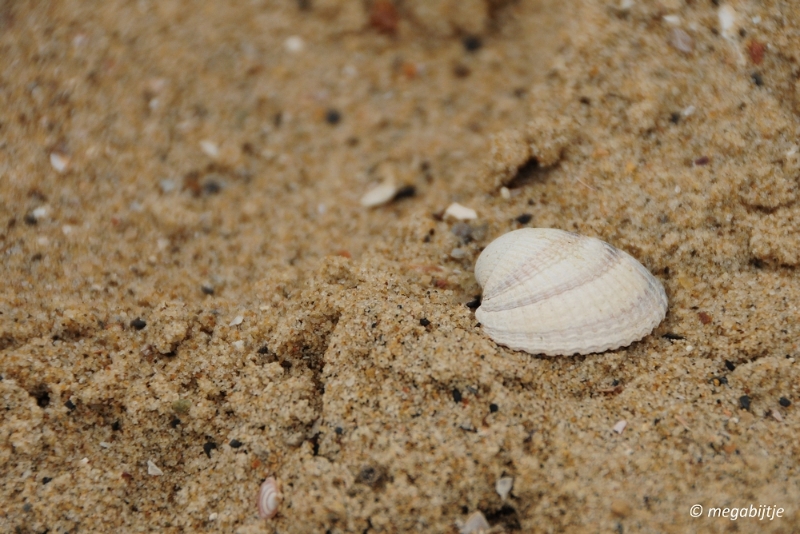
[[194, 298]]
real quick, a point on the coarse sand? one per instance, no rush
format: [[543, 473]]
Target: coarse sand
[[194, 298]]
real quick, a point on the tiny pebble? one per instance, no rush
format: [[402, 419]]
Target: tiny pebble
[[474, 303], [472, 43], [757, 79], [70, 405], [493, 408], [45, 480], [407, 191], [456, 395], [105, 444], [238, 344], [620, 426], [294, 44], [729, 365], [30, 219], [525, 218], [152, 469], [459, 212], [40, 213], [207, 290], [208, 447], [744, 402], [333, 117], [235, 443], [505, 193], [138, 324], [783, 401], [424, 322], [236, 321], [458, 253], [59, 162], [688, 111], [213, 516]]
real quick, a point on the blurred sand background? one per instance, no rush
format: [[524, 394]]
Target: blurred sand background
[[190, 279]]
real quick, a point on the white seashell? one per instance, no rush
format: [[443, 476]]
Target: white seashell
[[379, 195], [269, 498], [475, 524], [153, 470], [546, 291], [620, 426], [459, 212], [503, 486]]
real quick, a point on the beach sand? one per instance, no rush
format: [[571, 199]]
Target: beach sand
[[194, 298]]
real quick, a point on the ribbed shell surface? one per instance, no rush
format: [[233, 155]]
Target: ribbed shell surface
[[547, 291]]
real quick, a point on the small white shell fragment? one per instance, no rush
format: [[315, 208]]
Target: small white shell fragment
[[673, 20], [620, 426], [239, 345], [681, 41], [60, 162], [236, 321], [40, 213], [152, 469], [505, 193], [503, 486], [776, 415], [458, 253], [105, 444], [269, 498], [213, 516], [551, 292], [294, 44], [210, 148], [459, 212], [727, 18], [379, 195], [475, 524]]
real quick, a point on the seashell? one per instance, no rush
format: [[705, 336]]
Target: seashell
[[475, 524], [547, 291], [503, 486], [459, 212], [269, 498]]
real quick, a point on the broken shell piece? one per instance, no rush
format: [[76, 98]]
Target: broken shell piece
[[269, 498], [546, 291], [620, 426], [152, 469], [462, 213], [379, 195], [475, 524], [60, 162], [503, 486]]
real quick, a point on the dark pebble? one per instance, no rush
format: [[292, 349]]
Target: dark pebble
[[138, 324], [207, 290], [45, 480], [473, 304], [729, 365], [27, 507], [675, 118], [525, 218], [493, 408], [70, 405], [339, 430], [116, 426], [30, 219], [670, 335], [175, 422], [702, 160], [783, 401], [211, 187], [208, 447], [333, 117], [744, 402], [407, 191], [263, 350], [456, 395], [235, 444], [472, 43], [424, 322], [757, 79], [43, 399]]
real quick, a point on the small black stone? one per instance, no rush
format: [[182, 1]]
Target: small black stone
[[207, 290], [472, 43], [235, 444], [175, 422], [263, 350], [783, 401], [138, 324], [456, 395], [333, 117], [27, 507], [208, 447], [729, 365], [211, 187], [493, 408], [339, 430], [675, 117], [42, 398], [473, 304], [407, 191], [744, 402], [45, 480], [70, 405], [30, 220], [614, 383], [116, 426], [670, 335], [525, 218], [757, 79], [424, 322]]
